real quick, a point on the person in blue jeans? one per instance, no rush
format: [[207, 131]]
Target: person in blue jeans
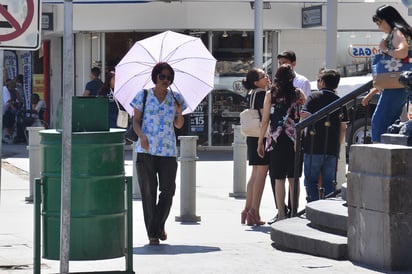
[[397, 44], [322, 141]]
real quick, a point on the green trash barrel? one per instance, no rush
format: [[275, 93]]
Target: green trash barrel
[[98, 212]]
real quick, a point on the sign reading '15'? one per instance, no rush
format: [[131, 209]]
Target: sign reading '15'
[[20, 24]]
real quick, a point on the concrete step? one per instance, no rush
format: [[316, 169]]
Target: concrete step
[[329, 215], [298, 235]]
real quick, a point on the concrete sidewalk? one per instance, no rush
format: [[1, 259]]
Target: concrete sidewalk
[[216, 244]]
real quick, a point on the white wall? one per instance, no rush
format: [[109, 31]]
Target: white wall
[[309, 43], [309, 47], [208, 15]]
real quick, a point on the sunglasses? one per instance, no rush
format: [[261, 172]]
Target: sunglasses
[[163, 77]]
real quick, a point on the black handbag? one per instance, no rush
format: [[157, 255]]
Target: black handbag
[[130, 133]]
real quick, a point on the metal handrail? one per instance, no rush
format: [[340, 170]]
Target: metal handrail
[[313, 118]]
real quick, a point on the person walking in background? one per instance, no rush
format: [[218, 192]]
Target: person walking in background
[[256, 82], [20, 89], [156, 148], [37, 110], [93, 87], [107, 89], [321, 156], [397, 44], [281, 113], [12, 103]]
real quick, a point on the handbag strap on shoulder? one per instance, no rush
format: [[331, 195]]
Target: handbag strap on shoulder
[[117, 103], [252, 103], [252, 99], [144, 102]]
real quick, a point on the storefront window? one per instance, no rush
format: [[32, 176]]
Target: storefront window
[[234, 51]]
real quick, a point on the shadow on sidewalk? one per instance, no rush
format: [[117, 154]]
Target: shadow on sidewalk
[[164, 249], [263, 228], [14, 151]]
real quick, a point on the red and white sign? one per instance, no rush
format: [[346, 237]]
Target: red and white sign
[[20, 24]]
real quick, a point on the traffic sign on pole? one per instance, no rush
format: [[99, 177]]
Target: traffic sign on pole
[[20, 24]]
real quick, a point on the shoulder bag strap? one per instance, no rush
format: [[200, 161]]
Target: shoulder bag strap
[[252, 103], [117, 103], [144, 104]]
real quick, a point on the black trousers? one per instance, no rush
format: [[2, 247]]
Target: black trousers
[[155, 172]]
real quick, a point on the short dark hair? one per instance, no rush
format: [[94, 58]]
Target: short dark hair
[[288, 54], [35, 96], [330, 77], [95, 71], [251, 77], [157, 69]]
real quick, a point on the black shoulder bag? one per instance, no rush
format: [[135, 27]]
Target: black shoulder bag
[[130, 133]]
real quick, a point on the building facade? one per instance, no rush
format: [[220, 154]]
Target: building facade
[[103, 33]]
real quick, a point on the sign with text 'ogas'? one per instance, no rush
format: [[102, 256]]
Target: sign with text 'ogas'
[[20, 24], [363, 51]]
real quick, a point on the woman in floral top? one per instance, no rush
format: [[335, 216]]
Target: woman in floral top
[[156, 148], [281, 113]]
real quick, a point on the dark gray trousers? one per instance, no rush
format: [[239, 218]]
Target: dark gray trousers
[[155, 172]]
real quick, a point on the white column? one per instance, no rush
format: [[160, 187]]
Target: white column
[[239, 163], [35, 158], [258, 38], [331, 32], [187, 160]]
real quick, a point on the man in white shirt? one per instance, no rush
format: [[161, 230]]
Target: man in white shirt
[[300, 81]]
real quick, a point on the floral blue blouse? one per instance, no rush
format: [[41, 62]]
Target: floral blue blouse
[[157, 123]]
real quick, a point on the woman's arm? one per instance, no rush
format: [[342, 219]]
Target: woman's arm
[[369, 96], [179, 120], [400, 45], [302, 97], [137, 117], [265, 123]]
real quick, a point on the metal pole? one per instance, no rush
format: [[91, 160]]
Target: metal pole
[[37, 226], [331, 32], [275, 50], [103, 55], [258, 38], [129, 225], [210, 98], [68, 91], [1, 106]]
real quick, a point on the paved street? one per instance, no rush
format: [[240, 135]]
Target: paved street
[[216, 244]]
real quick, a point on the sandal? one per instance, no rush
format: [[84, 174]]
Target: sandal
[[154, 241], [163, 236]]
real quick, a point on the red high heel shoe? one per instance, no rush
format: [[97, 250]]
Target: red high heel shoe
[[252, 219], [243, 216]]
